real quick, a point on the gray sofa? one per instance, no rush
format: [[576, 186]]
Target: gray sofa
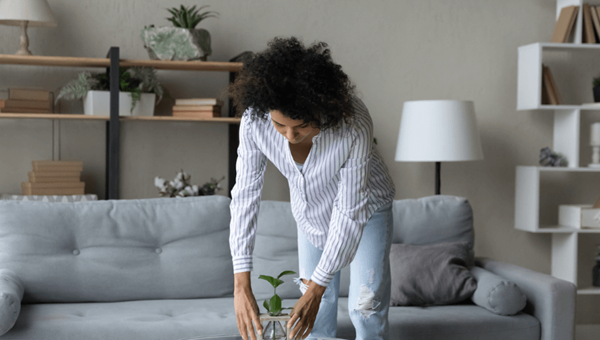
[[161, 269]]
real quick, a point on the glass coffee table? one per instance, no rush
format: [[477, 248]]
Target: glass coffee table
[[238, 337]]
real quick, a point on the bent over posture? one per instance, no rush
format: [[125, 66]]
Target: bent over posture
[[299, 111]]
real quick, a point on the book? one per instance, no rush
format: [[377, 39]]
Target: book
[[197, 108], [28, 94], [77, 185], [27, 104], [588, 27], [564, 24], [57, 163], [196, 114], [51, 177], [65, 191], [19, 110], [596, 20], [199, 101], [57, 166], [548, 81]]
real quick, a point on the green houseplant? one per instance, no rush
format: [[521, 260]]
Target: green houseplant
[[274, 329], [183, 41], [136, 84]]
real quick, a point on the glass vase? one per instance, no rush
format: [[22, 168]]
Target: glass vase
[[274, 330]]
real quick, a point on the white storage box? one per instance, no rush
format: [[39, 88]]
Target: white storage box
[[579, 216], [97, 103]]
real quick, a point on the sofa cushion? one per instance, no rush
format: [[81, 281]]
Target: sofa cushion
[[11, 294], [433, 219], [497, 294], [181, 319], [456, 322], [436, 274], [118, 250], [275, 250]]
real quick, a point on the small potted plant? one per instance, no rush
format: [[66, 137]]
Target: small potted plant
[[274, 316], [181, 186], [596, 90], [138, 86], [183, 41]]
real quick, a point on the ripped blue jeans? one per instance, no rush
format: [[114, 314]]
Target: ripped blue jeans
[[369, 294]]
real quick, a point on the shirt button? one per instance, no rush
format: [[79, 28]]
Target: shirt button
[[158, 250], [76, 252]]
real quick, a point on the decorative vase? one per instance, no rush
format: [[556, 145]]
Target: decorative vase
[[597, 94], [274, 331], [176, 43], [276, 327], [97, 103]]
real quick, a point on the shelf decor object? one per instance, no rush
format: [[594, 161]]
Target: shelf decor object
[[595, 144], [183, 41], [26, 13], [438, 131]]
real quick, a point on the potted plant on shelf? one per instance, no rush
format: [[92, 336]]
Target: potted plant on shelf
[[596, 90], [138, 86], [183, 41], [274, 317]]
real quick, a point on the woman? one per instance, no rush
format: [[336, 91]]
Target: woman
[[299, 112]]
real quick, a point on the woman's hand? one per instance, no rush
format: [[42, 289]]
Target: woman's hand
[[246, 309], [305, 311]]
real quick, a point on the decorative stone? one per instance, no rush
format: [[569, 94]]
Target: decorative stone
[[175, 43]]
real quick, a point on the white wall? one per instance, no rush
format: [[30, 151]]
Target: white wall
[[394, 50]]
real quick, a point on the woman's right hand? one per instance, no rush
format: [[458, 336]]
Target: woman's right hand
[[246, 308]]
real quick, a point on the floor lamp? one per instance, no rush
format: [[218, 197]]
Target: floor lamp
[[438, 131]]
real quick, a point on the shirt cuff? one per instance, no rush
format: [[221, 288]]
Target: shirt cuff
[[321, 278], [242, 264]]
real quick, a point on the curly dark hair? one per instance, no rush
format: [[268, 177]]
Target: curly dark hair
[[303, 83]]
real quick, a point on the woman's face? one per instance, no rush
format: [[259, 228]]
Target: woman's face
[[295, 131]]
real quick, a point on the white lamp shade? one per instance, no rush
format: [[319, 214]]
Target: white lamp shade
[[37, 12], [438, 131]]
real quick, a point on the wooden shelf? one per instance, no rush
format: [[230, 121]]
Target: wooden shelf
[[124, 118], [182, 119], [105, 62], [51, 116]]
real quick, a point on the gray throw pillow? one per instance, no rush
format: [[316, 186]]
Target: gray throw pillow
[[496, 294], [436, 274]]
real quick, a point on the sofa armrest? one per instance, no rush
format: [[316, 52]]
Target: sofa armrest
[[11, 294], [550, 300]]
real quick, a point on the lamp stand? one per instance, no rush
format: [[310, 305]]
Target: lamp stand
[[24, 40], [438, 181]]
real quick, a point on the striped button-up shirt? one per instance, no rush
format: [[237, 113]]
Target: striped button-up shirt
[[342, 183]]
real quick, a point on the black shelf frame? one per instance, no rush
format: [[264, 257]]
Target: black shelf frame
[[113, 128]]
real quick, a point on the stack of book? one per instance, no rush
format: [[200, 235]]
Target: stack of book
[[197, 108], [54, 178], [25, 101], [550, 94], [566, 23]]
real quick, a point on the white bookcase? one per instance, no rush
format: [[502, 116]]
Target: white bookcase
[[566, 139]]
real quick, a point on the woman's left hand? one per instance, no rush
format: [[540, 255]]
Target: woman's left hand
[[305, 311]]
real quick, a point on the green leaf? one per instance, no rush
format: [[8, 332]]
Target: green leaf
[[275, 305], [287, 272], [273, 281], [266, 305]]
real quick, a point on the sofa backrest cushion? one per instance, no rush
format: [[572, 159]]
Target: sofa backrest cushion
[[433, 219], [118, 250], [275, 250]]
